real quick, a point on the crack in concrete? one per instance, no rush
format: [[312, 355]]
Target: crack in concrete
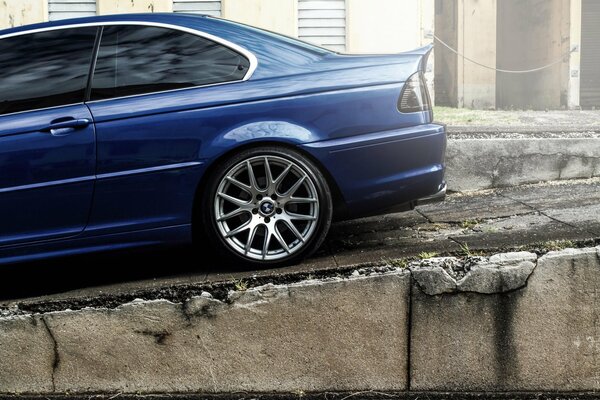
[[422, 214], [546, 214], [56, 360]]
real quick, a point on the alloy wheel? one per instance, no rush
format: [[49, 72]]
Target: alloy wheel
[[266, 207]]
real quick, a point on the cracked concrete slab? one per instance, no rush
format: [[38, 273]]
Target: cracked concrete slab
[[347, 334], [26, 355], [473, 206], [542, 337]]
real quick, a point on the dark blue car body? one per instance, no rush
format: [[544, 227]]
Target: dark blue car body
[[133, 176]]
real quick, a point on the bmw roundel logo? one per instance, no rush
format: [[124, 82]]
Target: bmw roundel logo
[[267, 208]]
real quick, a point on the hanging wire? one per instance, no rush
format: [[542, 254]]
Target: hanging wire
[[508, 71]]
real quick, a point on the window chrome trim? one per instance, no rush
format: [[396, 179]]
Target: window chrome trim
[[239, 49]]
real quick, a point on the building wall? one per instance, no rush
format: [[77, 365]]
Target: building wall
[[133, 6], [276, 15], [21, 12], [531, 34], [476, 39], [575, 57]]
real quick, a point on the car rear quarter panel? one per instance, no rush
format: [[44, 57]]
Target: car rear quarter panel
[[348, 120]]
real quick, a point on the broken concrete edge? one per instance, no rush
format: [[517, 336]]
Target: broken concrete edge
[[497, 273]]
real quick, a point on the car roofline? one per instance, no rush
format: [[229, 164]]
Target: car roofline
[[239, 49]]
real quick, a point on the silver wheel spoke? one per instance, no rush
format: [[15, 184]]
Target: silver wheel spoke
[[266, 243], [269, 174], [250, 239], [252, 177], [295, 187], [239, 229], [290, 225], [232, 214], [239, 184], [300, 217], [282, 176], [300, 200], [280, 239], [264, 217], [231, 199]]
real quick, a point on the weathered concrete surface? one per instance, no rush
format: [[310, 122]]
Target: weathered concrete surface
[[497, 274], [475, 164], [544, 337], [26, 355], [336, 335], [523, 331]]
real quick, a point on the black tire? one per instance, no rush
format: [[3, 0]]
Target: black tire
[[230, 252]]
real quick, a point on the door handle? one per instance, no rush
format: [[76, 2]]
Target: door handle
[[65, 127]]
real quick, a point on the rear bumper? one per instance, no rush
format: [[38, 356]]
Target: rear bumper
[[434, 198], [380, 171]]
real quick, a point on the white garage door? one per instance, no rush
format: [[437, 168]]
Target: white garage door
[[323, 22], [63, 9], [208, 7]]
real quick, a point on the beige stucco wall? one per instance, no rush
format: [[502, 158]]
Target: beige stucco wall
[[133, 6], [22, 12], [575, 58], [476, 40], [275, 15], [388, 26], [391, 26]]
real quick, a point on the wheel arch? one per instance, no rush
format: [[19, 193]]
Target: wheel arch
[[339, 204]]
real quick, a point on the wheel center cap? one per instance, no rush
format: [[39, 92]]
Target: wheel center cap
[[267, 208]]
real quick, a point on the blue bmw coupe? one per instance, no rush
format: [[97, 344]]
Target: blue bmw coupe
[[138, 130]]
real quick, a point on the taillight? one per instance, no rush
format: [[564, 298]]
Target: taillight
[[415, 96]]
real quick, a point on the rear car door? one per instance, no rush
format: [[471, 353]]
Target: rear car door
[[47, 138]]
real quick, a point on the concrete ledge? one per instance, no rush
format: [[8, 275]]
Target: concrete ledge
[[543, 337], [475, 164], [510, 323], [339, 334]]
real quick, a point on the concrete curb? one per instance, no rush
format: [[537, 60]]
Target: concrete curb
[[508, 323], [475, 164]]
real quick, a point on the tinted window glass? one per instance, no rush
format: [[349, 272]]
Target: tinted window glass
[[135, 60], [45, 69]]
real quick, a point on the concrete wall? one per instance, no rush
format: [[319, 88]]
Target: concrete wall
[[389, 26], [532, 34], [475, 164], [575, 57], [446, 61], [476, 40], [133, 6], [513, 323], [21, 12], [275, 15]]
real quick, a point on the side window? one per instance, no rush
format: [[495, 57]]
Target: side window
[[45, 69], [139, 59]]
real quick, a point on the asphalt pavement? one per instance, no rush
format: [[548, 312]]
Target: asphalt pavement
[[534, 217]]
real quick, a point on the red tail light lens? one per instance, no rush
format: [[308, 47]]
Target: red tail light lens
[[415, 96]]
